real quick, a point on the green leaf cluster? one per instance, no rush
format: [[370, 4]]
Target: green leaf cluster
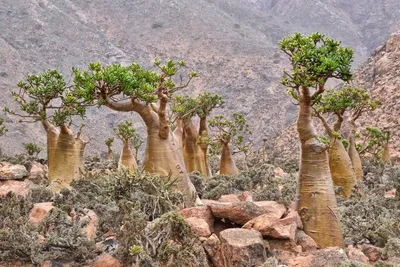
[[32, 148], [314, 58], [125, 131], [374, 141], [234, 131], [109, 142]]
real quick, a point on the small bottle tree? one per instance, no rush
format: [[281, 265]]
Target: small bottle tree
[[194, 149], [46, 98], [109, 142], [229, 133], [126, 133], [375, 142], [338, 103], [32, 149], [3, 130]]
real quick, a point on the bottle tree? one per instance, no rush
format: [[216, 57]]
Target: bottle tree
[[229, 133], [46, 98], [109, 143], [32, 149], [194, 141], [3, 130], [375, 142], [338, 103], [315, 59], [126, 133], [136, 89]]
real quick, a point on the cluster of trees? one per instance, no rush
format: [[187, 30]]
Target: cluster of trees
[[175, 146], [325, 160]]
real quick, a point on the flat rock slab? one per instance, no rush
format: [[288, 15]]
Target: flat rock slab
[[242, 212], [10, 171]]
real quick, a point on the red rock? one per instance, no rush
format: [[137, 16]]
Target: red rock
[[229, 198], [38, 171], [277, 246], [199, 227], [91, 228], [208, 202], [106, 260], [355, 254], [39, 212], [10, 171], [17, 187], [277, 228], [373, 253], [212, 247], [242, 212], [203, 212], [305, 241], [391, 193], [246, 196], [279, 172], [319, 258], [242, 248]]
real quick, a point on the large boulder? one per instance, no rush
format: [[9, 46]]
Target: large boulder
[[356, 254], [373, 253], [203, 212], [268, 226], [10, 171], [242, 248], [17, 187], [242, 212], [38, 171], [39, 212], [305, 241], [229, 198]]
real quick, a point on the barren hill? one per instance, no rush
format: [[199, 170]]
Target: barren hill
[[232, 44]]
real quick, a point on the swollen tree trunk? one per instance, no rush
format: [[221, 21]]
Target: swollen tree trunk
[[178, 133], [52, 136], [386, 153], [341, 168], [316, 199], [355, 158], [203, 133], [192, 153], [339, 161], [109, 153], [227, 165], [127, 159]]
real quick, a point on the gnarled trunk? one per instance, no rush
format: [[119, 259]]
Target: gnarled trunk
[[355, 158], [227, 164], [109, 153], [316, 199], [341, 168], [386, 154], [203, 133], [192, 152], [127, 158]]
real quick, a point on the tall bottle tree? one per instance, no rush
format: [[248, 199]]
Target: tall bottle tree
[[126, 133], [229, 133], [133, 88], [315, 59], [109, 143], [194, 142], [46, 98]]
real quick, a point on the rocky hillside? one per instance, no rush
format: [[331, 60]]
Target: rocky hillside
[[380, 75], [232, 44]]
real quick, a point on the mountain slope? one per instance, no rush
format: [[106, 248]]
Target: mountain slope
[[232, 44]]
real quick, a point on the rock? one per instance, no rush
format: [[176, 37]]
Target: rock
[[106, 260], [39, 212], [305, 241], [229, 198], [91, 228], [242, 212], [355, 254], [279, 172], [242, 248], [38, 171], [212, 246], [319, 258], [391, 193], [277, 228], [393, 43], [203, 212], [277, 246], [199, 226], [10, 171], [373, 253], [220, 226], [108, 245], [246, 196], [17, 187]]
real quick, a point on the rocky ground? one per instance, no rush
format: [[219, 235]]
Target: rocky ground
[[111, 218]]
